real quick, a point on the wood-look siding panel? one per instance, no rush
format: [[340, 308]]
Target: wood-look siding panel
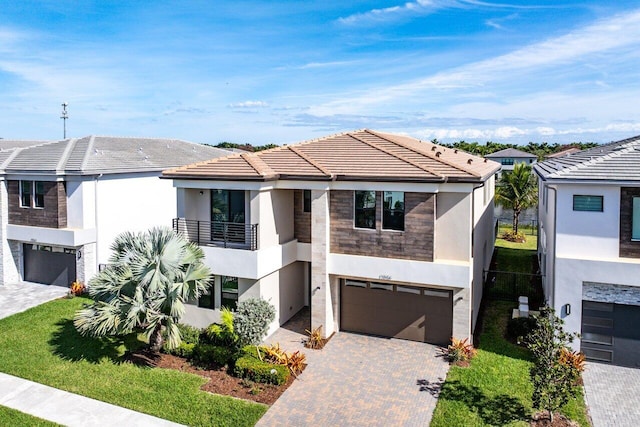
[[54, 213], [302, 219], [628, 249], [414, 243]]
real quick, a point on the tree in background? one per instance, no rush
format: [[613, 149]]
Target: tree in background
[[517, 190], [149, 278]]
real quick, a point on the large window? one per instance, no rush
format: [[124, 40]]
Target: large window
[[635, 219], [229, 292], [506, 162], [587, 203], [32, 194], [393, 213], [365, 209], [227, 206]]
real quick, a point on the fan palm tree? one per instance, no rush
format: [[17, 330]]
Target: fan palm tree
[[517, 190], [145, 286]]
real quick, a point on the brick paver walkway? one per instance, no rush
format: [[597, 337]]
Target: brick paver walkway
[[359, 380], [17, 297], [613, 395]]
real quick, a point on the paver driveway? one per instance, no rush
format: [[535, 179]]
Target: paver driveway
[[359, 380], [17, 297], [613, 395]]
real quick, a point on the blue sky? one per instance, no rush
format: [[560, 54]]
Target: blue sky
[[285, 71]]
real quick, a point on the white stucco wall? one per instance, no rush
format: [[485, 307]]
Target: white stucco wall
[[592, 235], [131, 203], [452, 239]]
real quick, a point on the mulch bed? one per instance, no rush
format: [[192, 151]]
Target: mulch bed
[[220, 382], [541, 419]]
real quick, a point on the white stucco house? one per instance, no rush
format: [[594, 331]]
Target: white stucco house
[[509, 157], [63, 202], [589, 247], [378, 233]]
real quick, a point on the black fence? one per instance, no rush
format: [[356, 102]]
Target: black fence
[[529, 228], [508, 286], [223, 234]]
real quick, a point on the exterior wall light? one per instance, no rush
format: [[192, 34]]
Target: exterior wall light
[[567, 309]]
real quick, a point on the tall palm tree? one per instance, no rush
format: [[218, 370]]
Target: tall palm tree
[[145, 286], [517, 190]]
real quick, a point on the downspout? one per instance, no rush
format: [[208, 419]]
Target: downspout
[[95, 213], [555, 233]]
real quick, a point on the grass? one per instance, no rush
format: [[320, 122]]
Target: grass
[[530, 244], [495, 389], [11, 417], [42, 345]]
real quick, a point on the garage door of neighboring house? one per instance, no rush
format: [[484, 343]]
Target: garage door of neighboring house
[[610, 333], [411, 313], [49, 265]]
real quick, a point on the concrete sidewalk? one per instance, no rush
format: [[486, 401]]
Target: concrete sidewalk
[[67, 408]]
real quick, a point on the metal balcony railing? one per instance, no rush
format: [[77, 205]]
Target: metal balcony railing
[[223, 234]]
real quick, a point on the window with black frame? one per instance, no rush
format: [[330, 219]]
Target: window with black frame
[[365, 209], [26, 190], [227, 216], [393, 210]]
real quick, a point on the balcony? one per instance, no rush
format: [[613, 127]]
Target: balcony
[[219, 234]]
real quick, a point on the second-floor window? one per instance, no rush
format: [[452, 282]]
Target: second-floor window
[[635, 219], [306, 200], [587, 203], [506, 161], [393, 210], [365, 209], [32, 194]]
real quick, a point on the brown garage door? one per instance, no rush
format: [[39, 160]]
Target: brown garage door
[[398, 311]]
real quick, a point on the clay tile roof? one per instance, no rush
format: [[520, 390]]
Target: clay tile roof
[[358, 155]]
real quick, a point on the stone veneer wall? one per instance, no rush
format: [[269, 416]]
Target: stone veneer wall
[[302, 219], [415, 243], [54, 213], [607, 292], [628, 248]]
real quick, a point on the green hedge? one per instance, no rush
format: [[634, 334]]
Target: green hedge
[[209, 354], [190, 338], [249, 366]]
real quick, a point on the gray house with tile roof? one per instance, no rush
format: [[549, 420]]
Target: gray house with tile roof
[[63, 202], [589, 247]]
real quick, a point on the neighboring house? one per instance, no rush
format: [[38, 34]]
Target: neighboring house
[[509, 157], [378, 233], [563, 153], [589, 247], [63, 202]]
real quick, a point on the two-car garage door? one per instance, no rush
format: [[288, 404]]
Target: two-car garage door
[[390, 310], [50, 265]]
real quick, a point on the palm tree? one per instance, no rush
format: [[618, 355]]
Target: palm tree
[[144, 287], [517, 190]]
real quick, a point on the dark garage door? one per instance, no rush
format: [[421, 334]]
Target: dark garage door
[[49, 265], [610, 333], [397, 311]]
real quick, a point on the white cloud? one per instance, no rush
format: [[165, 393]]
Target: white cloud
[[604, 36], [249, 104], [375, 15]]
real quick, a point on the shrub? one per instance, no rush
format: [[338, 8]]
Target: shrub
[[574, 361], [221, 334], [190, 337], [295, 361], [251, 320], [209, 354], [520, 327], [77, 288], [315, 341], [250, 367], [512, 236], [460, 351]]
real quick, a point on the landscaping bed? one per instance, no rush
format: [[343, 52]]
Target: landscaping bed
[[220, 382]]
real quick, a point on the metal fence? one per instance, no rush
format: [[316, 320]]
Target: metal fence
[[224, 234], [508, 286], [529, 228]]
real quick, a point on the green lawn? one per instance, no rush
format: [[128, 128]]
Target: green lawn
[[495, 389], [11, 417], [42, 345]]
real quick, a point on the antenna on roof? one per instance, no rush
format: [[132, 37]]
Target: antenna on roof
[[64, 118]]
